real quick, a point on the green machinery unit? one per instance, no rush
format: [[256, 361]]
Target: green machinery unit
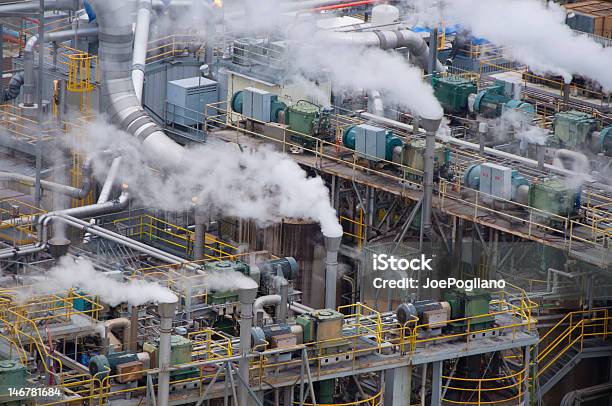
[[573, 128], [180, 348], [413, 156], [555, 196], [453, 93], [12, 375], [469, 304], [325, 327], [217, 297], [309, 119]]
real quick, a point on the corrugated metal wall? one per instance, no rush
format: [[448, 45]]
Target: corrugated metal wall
[[158, 74]]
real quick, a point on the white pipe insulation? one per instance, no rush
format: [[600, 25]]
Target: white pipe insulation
[[141, 36]]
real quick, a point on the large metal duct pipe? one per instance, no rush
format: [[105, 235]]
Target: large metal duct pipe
[[247, 298], [282, 287], [262, 301], [431, 127], [332, 246], [123, 107], [28, 56], [419, 51], [166, 315], [141, 36], [34, 6]]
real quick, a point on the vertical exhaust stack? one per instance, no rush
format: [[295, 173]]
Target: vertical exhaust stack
[[247, 298], [332, 245], [431, 127], [166, 315]]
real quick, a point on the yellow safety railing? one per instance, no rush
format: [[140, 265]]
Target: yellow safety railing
[[357, 225], [375, 400], [16, 223], [486, 391], [209, 344], [363, 319], [570, 332], [149, 227], [170, 46]]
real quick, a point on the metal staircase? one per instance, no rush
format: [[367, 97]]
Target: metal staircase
[[578, 335]]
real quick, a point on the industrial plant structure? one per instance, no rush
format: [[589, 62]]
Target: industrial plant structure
[[304, 202]]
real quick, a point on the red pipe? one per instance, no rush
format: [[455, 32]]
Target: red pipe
[[345, 5]]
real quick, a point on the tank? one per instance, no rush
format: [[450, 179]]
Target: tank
[[385, 14], [453, 93], [573, 128]]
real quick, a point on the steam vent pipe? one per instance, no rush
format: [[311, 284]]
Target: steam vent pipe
[[247, 298], [332, 246], [431, 127], [166, 315], [122, 106]]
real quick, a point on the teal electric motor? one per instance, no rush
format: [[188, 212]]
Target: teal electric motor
[[391, 142]]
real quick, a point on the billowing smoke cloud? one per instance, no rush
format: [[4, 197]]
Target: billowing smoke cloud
[[80, 273], [535, 34], [259, 184]]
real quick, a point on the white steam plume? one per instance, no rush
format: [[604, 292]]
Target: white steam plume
[[259, 184], [535, 34], [356, 68], [220, 281], [71, 273]]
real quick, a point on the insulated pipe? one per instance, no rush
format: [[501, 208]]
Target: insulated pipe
[[375, 103], [383, 39], [262, 301], [77, 193], [282, 287], [28, 56], [14, 87], [246, 297], [199, 233], [124, 324], [430, 126], [123, 108], [332, 246], [141, 39], [491, 151], [107, 187], [166, 315], [45, 219]]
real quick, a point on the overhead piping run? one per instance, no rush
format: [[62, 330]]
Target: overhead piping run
[[141, 39], [491, 151], [123, 107], [77, 193], [383, 39], [34, 6], [28, 56], [77, 212]]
